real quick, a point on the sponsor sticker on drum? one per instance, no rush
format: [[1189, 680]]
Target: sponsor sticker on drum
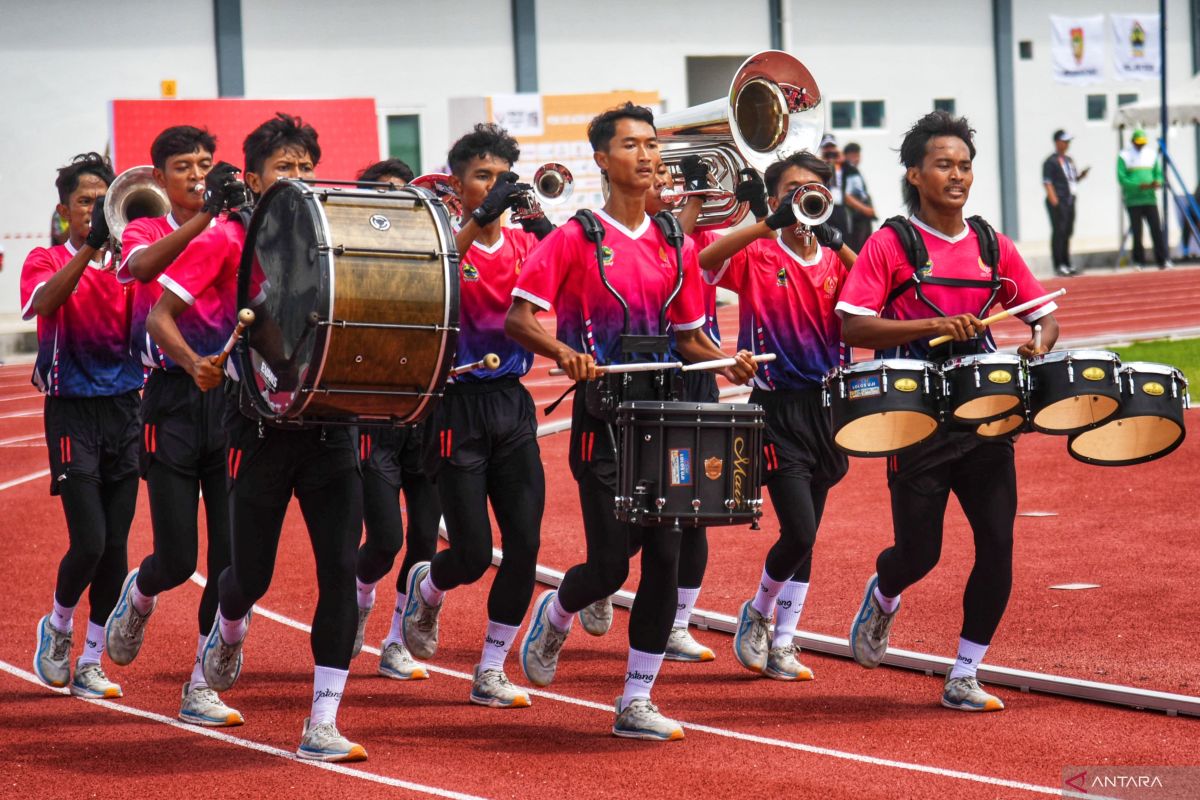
[[713, 468], [861, 388], [1153, 388], [681, 466], [1000, 376]]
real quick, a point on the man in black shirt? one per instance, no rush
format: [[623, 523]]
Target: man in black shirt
[[1061, 180]]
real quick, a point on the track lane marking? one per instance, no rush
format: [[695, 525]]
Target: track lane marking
[[29, 437], [33, 476]]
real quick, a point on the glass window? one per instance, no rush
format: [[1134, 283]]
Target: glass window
[[1126, 99], [842, 113], [944, 104], [404, 140], [872, 114], [1097, 106]]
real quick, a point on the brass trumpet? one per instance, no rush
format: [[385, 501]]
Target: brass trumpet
[[133, 195], [552, 184], [812, 204]]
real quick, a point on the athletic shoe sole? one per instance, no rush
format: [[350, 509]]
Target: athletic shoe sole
[[356, 753], [229, 721], [676, 735], [492, 702], [968, 706], [44, 641]]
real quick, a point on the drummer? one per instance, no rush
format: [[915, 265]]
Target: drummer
[[266, 464], [787, 287], [883, 308]]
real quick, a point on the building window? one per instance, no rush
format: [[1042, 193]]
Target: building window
[[944, 104], [404, 139], [872, 114], [1097, 107], [842, 113], [1126, 99], [1025, 50]]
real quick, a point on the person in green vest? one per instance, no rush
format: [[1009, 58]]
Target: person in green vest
[[1140, 174]]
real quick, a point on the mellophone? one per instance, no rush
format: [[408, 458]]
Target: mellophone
[[1113, 414]]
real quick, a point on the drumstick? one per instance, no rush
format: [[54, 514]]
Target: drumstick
[[1037, 337], [721, 363], [617, 369], [490, 361], [245, 320], [1008, 312]]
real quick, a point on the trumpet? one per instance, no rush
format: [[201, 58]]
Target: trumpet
[[673, 197], [812, 204], [552, 185], [133, 195]]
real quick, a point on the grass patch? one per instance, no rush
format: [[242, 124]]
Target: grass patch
[[1183, 354]]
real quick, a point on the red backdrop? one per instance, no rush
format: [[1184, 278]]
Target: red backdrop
[[348, 129]]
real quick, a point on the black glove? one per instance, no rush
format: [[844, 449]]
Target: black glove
[[828, 236], [695, 174], [505, 194], [752, 190], [98, 236], [538, 226], [222, 189], [783, 217]]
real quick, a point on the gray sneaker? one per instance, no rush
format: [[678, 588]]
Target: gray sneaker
[[871, 628], [966, 694], [492, 687], [682, 647], [324, 743], [420, 618], [641, 720], [752, 640], [363, 613], [203, 706], [542, 643], [52, 658], [222, 662], [597, 618], [90, 681], [397, 663], [126, 626], [782, 664]]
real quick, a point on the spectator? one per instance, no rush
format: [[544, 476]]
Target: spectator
[[832, 155], [1061, 180], [859, 209], [1140, 174]]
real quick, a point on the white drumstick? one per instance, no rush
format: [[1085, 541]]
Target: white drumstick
[[617, 369], [721, 363], [1037, 337], [490, 361], [1008, 312]]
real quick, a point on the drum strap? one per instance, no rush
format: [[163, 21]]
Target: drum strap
[[668, 226], [918, 258], [593, 231]]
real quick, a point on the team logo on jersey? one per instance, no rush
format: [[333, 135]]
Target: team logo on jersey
[[927, 270], [781, 277], [469, 272], [984, 269], [607, 254], [517, 268], [830, 285]]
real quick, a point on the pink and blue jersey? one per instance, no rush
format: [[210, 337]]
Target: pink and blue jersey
[[487, 276], [563, 273], [708, 290], [83, 345], [786, 307]]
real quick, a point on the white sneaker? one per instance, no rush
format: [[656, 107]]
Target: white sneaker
[[752, 640], [682, 647], [363, 613], [542, 643], [203, 706], [871, 628], [126, 626], [397, 663], [641, 719], [90, 681], [597, 618], [324, 743], [420, 618], [782, 665], [966, 694], [491, 687], [52, 658]]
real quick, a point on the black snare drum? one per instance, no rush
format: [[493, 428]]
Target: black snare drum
[[1149, 424], [689, 463], [1073, 390], [984, 388], [881, 407]]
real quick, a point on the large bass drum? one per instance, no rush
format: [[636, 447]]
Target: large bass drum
[[357, 317]]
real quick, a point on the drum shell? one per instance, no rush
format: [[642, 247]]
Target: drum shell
[[873, 415], [703, 460], [1148, 426], [1073, 391], [984, 388]]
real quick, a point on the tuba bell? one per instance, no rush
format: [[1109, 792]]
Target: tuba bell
[[773, 109], [133, 195]]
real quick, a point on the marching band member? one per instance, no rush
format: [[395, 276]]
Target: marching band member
[[895, 299], [183, 441], [482, 441], [267, 464], [91, 383], [563, 274], [787, 286]]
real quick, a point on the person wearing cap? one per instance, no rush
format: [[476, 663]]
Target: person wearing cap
[[1061, 180], [831, 154], [1140, 174]]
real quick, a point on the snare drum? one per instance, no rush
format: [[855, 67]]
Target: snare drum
[[1073, 390], [1149, 424], [358, 318], [878, 408], [984, 388], [689, 463]]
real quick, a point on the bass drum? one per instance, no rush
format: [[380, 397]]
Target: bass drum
[[355, 293]]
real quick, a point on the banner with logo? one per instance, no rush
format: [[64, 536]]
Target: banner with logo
[[1137, 47], [1077, 49]]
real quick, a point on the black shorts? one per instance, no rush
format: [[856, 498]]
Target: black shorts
[[275, 461], [700, 387], [917, 468], [798, 439], [477, 423], [94, 438], [593, 449], [182, 427], [391, 453]]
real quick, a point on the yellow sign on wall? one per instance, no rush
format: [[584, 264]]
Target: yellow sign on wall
[[168, 88]]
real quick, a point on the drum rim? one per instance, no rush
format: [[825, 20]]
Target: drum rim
[[1152, 368], [910, 364], [1055, 356], [1129, 462], [956, 362]]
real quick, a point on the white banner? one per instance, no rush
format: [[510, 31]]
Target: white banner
[[519, 114], [1077, 49], [1137, 47]]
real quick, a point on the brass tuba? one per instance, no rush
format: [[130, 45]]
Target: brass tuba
[[133, 195], [772, 110]]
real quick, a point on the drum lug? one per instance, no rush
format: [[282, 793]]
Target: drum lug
[[976, 375], [696, 504], [660, 503], [1070, 370], [883, 370], [261, 433], [729, 504]]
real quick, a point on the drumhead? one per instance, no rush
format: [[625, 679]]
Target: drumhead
[[1004, 359], [913, 364], [1127, 440], [1075, 355]]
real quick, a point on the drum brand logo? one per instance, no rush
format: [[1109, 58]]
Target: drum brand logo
[[469, 272], [741, 464], [379, 222], [1093, 374], [269, 378], [1000, 376], [1153, 388], [905, 385], [714, 467]]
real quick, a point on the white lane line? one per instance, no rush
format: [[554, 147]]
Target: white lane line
[[20, 397], [33, 476], [29, 437], [266, 749], [728, 734], [15, 414]]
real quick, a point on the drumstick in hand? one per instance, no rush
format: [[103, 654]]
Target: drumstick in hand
[[1037, 338], [490, 361], [721, 363], [245, 320], [1008, 312]]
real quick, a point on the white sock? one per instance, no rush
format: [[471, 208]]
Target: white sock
[[197, 679], [764, 598], [687, 601], [888, 604], [640, 674], [558, 617], [431, 594], [788, 606], [328, 685], [142, 602], [232, 630], [496, 644], [366, 593], [93, 644], [396, 634], [62, 617], [969, 657]]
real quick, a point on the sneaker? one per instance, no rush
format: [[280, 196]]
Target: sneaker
[[682, 647], [752, 640], [597, 618], [542, 643], [641, 719], [90, 681], [966, 694], [222, 662], [1168, 264], [126, 626], [1138, 267], [324, 743], [363, 613], [203, 706], [782, 664], [397, 663], [420, 618], [492, 687], [871, 628], [52, 658], [1064, 270]]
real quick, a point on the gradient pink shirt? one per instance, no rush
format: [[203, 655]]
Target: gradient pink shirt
[[487, 276]]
